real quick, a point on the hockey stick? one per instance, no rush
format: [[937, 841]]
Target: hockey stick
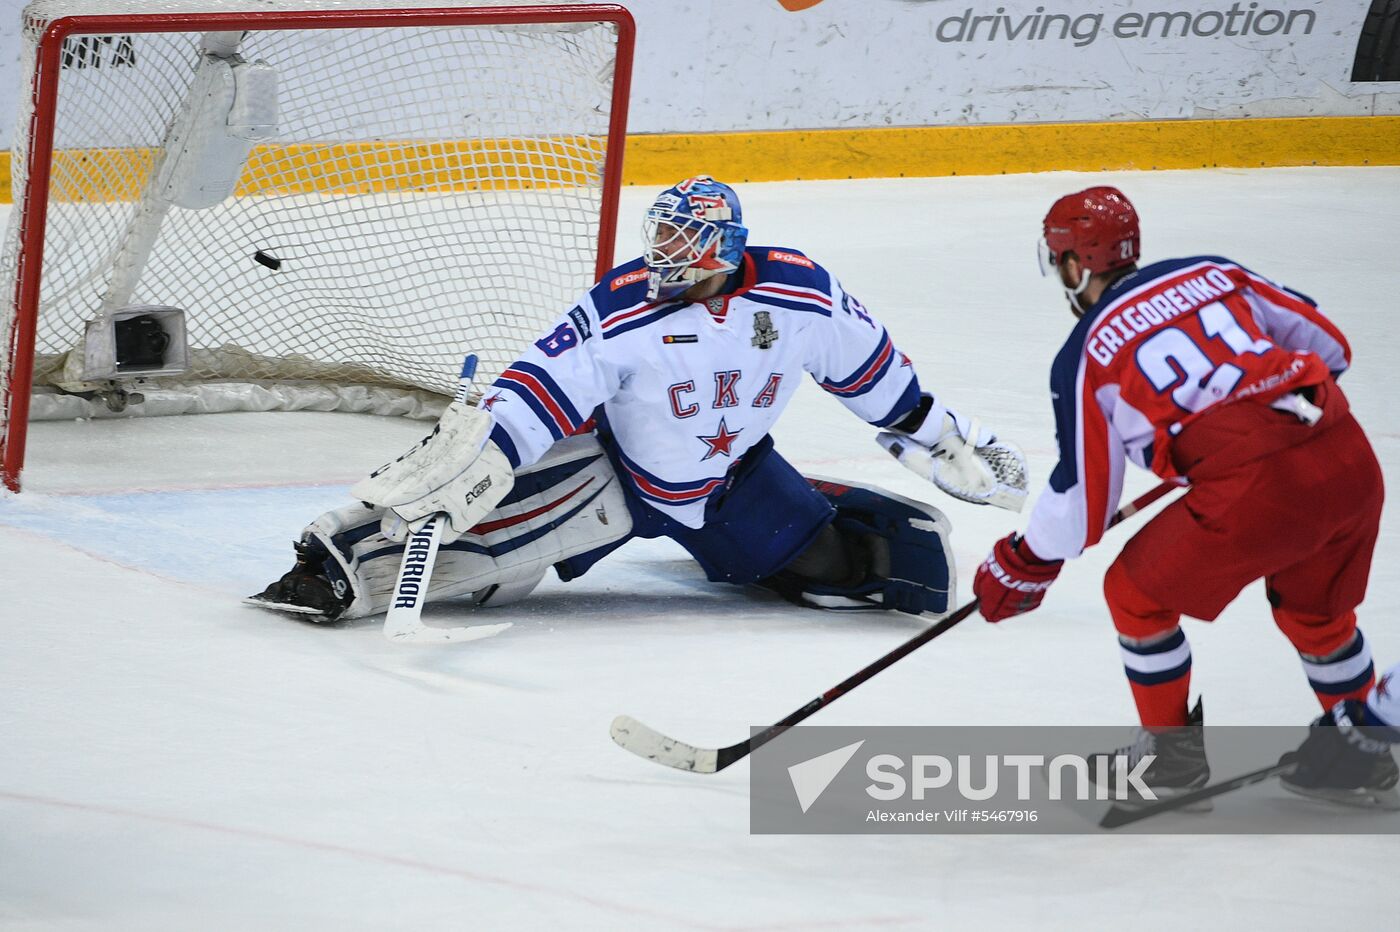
[[403, 622], [631, 735], [1119, 816]]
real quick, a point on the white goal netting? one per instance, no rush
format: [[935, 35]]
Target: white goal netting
[[425, 190]]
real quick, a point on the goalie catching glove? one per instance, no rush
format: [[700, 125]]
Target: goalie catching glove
[[455, 471], [959, 456]]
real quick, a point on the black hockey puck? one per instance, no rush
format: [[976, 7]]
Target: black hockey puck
[[267, 259]]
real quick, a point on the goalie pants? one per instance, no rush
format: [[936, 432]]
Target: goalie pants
[[766, 514], [1271, 498]]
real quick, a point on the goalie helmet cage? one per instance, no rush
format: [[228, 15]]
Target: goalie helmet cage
[[410, 180]]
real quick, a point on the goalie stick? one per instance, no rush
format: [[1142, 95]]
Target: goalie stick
[[631, 735], [403, 622]]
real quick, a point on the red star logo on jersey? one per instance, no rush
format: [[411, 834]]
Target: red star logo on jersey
[[722, 441], [1383, 687], [488, 403]]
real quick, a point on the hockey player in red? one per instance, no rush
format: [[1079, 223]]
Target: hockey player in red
[[1200, 370]]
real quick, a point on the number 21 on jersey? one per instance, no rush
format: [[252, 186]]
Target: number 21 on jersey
[[1173, 361]]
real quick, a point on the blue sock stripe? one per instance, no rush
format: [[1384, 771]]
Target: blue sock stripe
[[1158, 677], [1159, 662], [1343, 672], [1334, 688], [1357, 646], [1169, 643]]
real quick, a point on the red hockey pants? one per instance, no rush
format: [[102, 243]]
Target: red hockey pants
[[1273, 498]]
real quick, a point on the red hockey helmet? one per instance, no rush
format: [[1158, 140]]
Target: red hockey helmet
[[1099, 225]]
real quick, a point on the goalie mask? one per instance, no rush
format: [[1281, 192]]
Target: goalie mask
[[692, 231]]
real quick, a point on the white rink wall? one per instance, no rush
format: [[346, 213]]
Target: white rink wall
[[863, 63], [743, 65]]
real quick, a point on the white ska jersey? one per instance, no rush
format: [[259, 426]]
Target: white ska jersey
[[688, 388], [1383, 701]]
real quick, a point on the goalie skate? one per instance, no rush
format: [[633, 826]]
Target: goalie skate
[[290, 608], [312, 589]]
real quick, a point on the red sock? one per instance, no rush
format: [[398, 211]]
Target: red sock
[[1160, 676], [1156, 656], [1346, 673]]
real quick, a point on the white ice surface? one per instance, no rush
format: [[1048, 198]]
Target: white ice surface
[[170, 759]]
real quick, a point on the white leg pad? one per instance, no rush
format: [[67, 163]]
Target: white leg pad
[[566, 504]]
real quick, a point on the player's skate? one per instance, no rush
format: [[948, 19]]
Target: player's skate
[[308, 587], [1340, 763], [1179, 763]]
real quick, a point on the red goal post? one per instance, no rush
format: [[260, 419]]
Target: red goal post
[[469, 193]]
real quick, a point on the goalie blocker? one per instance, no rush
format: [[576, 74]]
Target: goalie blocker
[[818, 543]]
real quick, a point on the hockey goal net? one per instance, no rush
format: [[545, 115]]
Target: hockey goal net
[[342, 199]]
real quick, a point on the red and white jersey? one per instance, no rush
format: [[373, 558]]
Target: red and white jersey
[[1160, 347], [687, 388]]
